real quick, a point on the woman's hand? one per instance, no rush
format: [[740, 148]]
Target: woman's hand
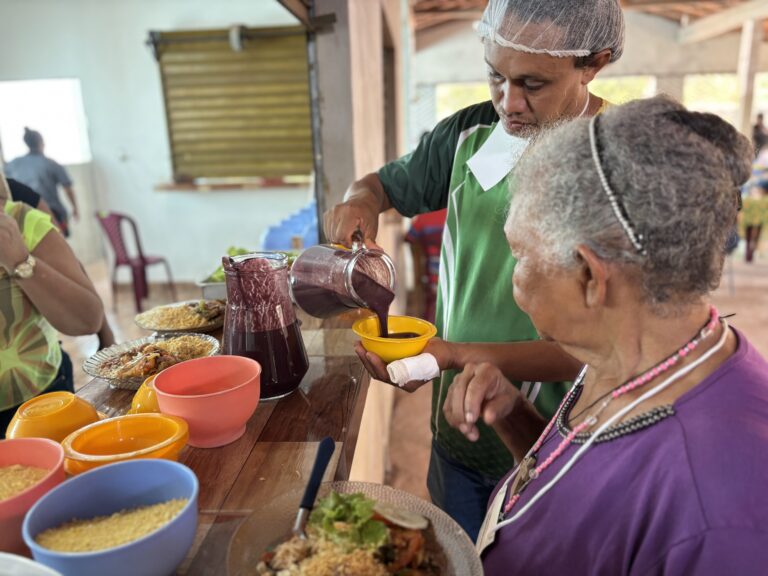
[[13, 251], [480, 391], [440, 349]]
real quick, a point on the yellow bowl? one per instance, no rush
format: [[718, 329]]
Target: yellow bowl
[[124, 438], [391, 349], [145, 399], [54, 415]]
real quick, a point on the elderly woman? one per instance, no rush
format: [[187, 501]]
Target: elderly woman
[[43, 289], [655, 462]]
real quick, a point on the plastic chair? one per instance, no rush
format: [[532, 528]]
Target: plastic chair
[[112, 223]]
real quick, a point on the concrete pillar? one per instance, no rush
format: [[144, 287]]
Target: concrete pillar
[[334, 70], [351, 66], [749, 61]]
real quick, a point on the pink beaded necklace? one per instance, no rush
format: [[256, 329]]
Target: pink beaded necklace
[[529, 470]]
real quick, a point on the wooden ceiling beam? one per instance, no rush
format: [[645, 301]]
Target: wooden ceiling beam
[[723, 22], [427, 19], [299, 9]]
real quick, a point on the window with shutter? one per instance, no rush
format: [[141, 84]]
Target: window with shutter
[[237, 103]]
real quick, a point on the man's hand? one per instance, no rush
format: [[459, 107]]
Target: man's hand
[[364, 201], [343, 220], [441, 350], [13, 251], [480, 391]]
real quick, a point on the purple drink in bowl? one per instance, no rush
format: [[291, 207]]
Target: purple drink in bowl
[[261, 323]]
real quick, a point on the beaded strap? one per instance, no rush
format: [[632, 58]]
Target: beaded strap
[[644, 378], [631, 426]]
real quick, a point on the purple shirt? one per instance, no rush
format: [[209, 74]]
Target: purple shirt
[[685, 496]]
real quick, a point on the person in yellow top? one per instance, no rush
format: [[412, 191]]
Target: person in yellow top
[[43, 291]]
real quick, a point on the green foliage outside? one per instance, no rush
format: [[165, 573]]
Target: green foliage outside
[[450, 98], [714, 93], [623, 89]]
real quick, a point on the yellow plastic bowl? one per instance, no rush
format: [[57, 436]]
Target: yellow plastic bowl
[[145, 399], [391, 349], [54, 415], [124, 438]]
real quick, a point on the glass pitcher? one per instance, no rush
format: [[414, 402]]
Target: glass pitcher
[[260, 321], [327, 280]]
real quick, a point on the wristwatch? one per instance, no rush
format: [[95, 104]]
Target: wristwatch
[[26, 269]]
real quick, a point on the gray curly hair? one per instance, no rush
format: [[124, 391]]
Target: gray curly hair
[[675, 174]]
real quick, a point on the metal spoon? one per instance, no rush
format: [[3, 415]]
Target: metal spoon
[[324, 454]]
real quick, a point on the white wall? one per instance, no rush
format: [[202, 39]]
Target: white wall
[[101, 42], [454, 53]]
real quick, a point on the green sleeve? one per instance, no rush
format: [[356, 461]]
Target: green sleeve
[[37, 225], [418, 182]]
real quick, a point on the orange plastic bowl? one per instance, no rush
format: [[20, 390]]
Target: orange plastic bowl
[[37, 452], [124, 438], [215, 395], [145, 399], [54, 415]]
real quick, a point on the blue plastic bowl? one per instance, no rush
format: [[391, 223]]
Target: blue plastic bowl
[[109, 489]]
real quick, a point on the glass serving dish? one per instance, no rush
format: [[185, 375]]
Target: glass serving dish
[[93, 366], [268, 526]]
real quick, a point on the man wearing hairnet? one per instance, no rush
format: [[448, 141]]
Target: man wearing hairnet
[[540, 57]]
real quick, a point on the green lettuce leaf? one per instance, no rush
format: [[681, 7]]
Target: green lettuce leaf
[[347, 519]]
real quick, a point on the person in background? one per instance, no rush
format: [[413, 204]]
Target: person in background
[[655, 463], [754, 209], [540, 57], [425, 238], [44, 176], [22, 193], [43, 290], [759, 134]]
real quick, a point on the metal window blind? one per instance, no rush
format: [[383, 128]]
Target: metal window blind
[[236, 114]]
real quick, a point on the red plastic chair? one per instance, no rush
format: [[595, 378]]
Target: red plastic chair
[[112, 223]]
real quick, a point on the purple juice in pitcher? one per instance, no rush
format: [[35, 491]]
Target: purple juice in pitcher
[[281, 354], [260, 321]]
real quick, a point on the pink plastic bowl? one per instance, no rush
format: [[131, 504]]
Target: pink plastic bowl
[[37, 452], [215, 395]]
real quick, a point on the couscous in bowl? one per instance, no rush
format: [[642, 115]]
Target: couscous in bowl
[[45, 459], [112, 489]]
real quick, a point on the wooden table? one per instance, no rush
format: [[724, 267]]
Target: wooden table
[[278, 449]]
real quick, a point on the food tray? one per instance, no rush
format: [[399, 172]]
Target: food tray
[[210, 327], [92, 365], [213, 290]]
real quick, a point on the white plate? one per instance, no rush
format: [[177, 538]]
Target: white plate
[[12, 565], [263, 528]]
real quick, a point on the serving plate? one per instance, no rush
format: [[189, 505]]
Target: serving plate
[[146, 324], [258, 532], [93, 365]]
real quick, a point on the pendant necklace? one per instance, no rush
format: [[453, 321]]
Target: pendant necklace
[[529, 469]]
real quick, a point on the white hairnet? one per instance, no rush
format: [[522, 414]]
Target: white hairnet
[[560, 28]]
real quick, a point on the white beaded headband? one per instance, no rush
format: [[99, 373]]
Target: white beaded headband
[[635, 238]]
